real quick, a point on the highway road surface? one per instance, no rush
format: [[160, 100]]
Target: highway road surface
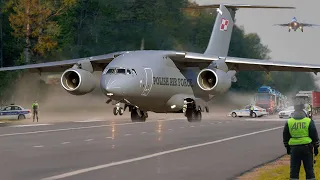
[[170, 149]]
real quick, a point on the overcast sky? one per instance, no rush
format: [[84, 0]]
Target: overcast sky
[[284, 46]]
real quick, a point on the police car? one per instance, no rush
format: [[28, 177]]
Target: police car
[[14, 112], [257, 112]]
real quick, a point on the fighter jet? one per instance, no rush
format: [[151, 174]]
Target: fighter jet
[[294, 24], [165, 81]]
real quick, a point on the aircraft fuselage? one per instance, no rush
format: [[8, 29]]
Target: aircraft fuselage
[[294, 25], [150, 81]]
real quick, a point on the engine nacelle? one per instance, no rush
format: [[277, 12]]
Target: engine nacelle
[[78, 81], [214, 80]]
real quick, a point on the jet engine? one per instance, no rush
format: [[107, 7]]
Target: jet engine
[[78, 81], [214, 80]]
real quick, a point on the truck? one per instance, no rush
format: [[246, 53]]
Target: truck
[[311, 97], [270, 99]]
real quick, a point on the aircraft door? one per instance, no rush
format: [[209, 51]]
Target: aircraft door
[[147, 81]]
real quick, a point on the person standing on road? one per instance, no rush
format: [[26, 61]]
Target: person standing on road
[[251, 110], [35, 108], [309, 110], [300, 137]]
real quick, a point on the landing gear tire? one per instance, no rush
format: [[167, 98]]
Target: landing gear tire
[[121, 111], [115, 111], [193, 115], [136, 118]]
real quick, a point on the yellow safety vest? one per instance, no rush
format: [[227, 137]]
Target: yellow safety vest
[[299, 131]]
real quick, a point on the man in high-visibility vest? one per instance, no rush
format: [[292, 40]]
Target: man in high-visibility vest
[[35, 109], [300, 137], [309, 110], [251, 110]]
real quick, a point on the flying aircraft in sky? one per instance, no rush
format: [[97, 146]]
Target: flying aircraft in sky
[[166, 81], [294, 24]]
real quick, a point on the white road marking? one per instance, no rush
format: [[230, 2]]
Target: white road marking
[[278, 119], [79, 128], [143, 132], [191, 126], [38, 146], [211, 123], [65, 143], [127, 134], [90, 120], [109, 137], [30, 125], [88, 140], [81, 171]]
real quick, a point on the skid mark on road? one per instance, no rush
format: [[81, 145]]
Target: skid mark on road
[[103, 166]]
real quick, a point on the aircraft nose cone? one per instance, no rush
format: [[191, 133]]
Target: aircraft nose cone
[[114, 88]]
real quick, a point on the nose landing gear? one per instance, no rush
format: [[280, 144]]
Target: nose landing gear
[[118, 110]]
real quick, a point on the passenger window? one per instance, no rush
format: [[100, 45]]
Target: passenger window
[[7, 108], [134, 71], [15, 108], [128, 71]]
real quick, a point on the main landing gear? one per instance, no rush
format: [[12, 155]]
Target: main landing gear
[[192, 112], [137, 115]]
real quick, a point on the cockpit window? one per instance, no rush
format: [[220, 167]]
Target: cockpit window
[[111, 71], [118, 71], [134, 71], [121, 71]]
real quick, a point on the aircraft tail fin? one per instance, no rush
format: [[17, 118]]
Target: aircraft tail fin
[[222, 30]]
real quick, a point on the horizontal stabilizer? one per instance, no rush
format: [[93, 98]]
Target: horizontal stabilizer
[[238, 6]]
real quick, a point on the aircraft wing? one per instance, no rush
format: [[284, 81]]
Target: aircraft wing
[[242, 64], [286, 24], [98, 62], [309, 25]]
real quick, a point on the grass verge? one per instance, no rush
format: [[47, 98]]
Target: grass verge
[[277, 170]]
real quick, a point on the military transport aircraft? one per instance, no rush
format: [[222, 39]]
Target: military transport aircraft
[[294, 24], [166, 81]]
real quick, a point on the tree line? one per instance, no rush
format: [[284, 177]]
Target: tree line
[[34, 31]]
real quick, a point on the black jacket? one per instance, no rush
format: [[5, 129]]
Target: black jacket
[[313, 133]]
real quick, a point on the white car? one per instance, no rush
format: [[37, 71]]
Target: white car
[[14, 112], [257, 112], [288, 112]]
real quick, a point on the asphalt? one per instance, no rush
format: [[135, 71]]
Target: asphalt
[[158, 149]]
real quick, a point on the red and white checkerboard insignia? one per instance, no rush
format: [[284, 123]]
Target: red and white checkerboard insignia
[[224, 24]]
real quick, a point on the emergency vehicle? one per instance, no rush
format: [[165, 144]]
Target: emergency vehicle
[[270, 99], [13, 112]]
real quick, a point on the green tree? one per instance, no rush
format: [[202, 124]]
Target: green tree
[[33, 21]]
